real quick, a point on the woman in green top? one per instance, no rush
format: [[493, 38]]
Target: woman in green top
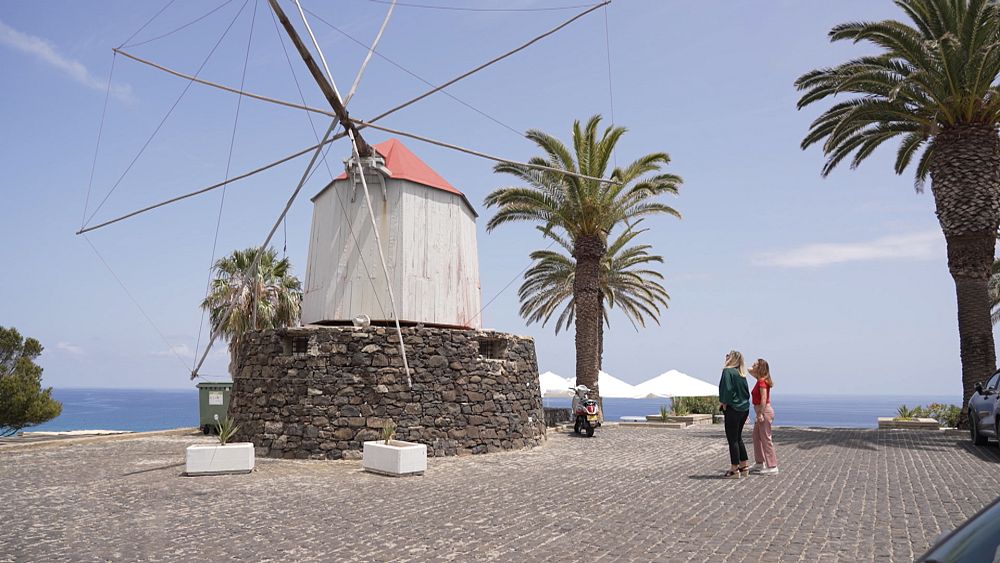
[[734, 401]]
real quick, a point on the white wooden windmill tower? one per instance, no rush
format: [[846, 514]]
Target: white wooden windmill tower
[[428, 231]]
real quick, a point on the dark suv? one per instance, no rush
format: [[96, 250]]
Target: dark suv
[[984, 406]]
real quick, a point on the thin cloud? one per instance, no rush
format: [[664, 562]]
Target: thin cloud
[[924, 245], [182, 350], [186, 352], [70, 348], [44, 51]]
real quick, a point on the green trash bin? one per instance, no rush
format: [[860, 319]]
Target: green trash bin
[[213, 400]]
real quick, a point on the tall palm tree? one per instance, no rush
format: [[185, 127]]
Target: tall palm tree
[[585, 210], [625, 281], [267, 296], [933, 84]]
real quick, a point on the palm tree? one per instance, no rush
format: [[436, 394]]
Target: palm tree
[[586, 211], [933, 84], [244, 298], [624, 281]]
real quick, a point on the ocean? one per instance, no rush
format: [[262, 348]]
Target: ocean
[[820, 411], [141, 410]]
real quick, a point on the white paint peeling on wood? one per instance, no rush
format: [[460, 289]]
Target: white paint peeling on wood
[[430, 246]]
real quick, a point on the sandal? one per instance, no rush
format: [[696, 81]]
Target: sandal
[[744, 471], [732, 474]]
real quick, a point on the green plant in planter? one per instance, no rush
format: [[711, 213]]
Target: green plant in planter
[[684, 406], [702, 405], [906, 413], [388, 432], [664, 412], [680, 406], [227, 428]]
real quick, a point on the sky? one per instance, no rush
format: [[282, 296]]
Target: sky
[[841, 283]]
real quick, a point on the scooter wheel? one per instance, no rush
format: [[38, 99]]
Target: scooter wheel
[[590, 430], [578, 427]]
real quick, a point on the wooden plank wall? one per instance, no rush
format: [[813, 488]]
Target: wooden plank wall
[[429, 237]]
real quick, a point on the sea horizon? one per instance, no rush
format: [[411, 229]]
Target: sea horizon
[[147, 409], [194, 389]]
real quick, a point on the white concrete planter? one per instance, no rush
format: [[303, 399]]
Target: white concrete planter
[[888, 422], [397, 458], [219, 460], [688, 419]]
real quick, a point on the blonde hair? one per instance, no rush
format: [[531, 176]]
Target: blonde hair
[[735, 360], [764, 371]]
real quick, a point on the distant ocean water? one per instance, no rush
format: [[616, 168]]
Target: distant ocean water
[[138, 410], [824, 411], [148, 409]]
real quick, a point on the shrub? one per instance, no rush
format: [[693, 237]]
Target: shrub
[[695, 405], [946, 415], [679, 407], [664, 412]]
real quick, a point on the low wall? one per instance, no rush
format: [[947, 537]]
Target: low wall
[[555, 416], [318, 392]]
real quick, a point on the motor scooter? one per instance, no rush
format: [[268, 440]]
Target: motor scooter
[[585, 411]]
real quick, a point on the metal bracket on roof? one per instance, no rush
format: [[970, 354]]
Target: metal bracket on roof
[[352, 175], [373, 163]]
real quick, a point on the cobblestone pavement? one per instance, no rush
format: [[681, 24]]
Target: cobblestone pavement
[[628, 494]]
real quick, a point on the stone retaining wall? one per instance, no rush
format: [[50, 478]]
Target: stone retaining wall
[[318, 392]]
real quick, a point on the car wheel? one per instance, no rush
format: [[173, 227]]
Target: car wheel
[[977, 438]]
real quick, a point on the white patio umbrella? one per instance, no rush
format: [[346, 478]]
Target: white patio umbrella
[[674, 384], [554, 385], [612, 387]]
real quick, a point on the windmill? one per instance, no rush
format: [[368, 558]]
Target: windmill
[[364, 160]]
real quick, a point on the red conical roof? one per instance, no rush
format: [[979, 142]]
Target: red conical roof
[[404, 165]]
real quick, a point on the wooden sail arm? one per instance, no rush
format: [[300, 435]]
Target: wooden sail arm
[[331, 96]]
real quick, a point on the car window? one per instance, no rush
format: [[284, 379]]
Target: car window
[[992, 385]]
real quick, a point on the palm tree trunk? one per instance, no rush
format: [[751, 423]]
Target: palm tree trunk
[[588, 251], [600, 351], [234, 345], [969, 259], [600, 335], [965, 174]]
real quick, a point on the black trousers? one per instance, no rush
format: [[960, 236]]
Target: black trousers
[[735, 420]]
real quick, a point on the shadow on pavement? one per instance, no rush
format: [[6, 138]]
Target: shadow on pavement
[[715, 477], [873, 440], [151, 469]]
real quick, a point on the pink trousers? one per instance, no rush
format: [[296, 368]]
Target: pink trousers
[[763, 446]]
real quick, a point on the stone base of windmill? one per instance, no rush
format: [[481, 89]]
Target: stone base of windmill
[[320, 392]]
